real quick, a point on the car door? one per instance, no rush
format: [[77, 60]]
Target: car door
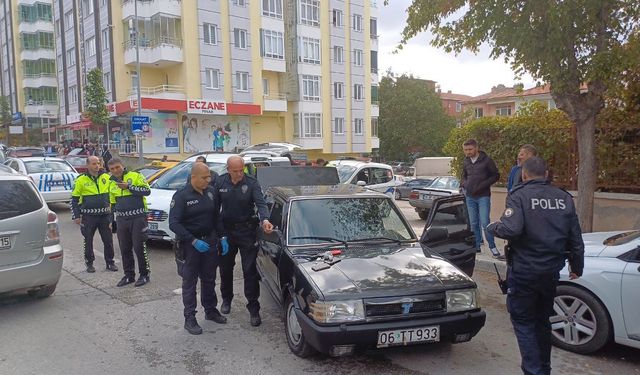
[[270, 250], [380, 179], [447, 232], [631, 295]]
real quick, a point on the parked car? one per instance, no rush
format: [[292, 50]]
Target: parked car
[[422, 198], [53, 177], [20, 152], [402, 191], [350, 273], [604, 303], [295, 153], [155, 169], [375, 176], [77, 159], [30, 250]]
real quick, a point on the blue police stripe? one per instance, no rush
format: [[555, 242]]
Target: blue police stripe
[[40, 183]]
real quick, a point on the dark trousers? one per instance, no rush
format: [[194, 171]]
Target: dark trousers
[[88, 228], [132, 234], [203, 266], [242, 239], [530, 303]]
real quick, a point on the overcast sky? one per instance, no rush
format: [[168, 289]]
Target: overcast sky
[[466, 73]]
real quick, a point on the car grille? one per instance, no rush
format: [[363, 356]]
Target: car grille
[[157, 215], [413, 306]]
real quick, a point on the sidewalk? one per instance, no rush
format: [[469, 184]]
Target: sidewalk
[[485, 261]]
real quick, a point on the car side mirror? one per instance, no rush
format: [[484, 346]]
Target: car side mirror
[[435, 234], [361, 183]]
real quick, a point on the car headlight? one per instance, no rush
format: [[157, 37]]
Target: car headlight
[[337, 311], [461, 300]]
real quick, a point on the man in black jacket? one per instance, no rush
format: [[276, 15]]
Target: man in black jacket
[[479, 172], [542, 227]]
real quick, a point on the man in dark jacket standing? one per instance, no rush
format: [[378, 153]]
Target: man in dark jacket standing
[[479, 172]]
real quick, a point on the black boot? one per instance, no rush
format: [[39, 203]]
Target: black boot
[[255, 319], [192, 326], [225, 308], [215, 316], [90, 267], [112, 267], [142, 280], [126, 280]]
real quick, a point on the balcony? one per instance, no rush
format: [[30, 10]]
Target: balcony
[[274, 65], [35, 108], [375, 109], [149, 8], [160, 52], [37, 53], [375, 142], [35, 26], [275, 102], [40, 80], [159, 92], [309, 143]]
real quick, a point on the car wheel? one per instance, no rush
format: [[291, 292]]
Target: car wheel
[[295, 338], [424, 215], [581, 324], [397, 195], [43, 292]]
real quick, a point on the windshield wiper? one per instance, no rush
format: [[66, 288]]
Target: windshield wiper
[[321, 238], [380, 238]]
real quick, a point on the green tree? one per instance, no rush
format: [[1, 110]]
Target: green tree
[[411, 118], [96, 99], [5, 117], [567, 44]]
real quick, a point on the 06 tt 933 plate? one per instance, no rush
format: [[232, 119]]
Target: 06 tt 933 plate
[[408, 336]]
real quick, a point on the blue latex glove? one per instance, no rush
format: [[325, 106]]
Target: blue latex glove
[[225, 245], [201, 246]]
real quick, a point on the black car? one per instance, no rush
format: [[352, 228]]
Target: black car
[[403, 191], [351, 274]]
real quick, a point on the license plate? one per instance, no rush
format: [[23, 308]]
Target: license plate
[[407, 336], [5, 242], [427, 197], [153, 226]]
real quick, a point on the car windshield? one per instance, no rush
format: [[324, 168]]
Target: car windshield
[[176, 177], [148, 171], [345, 172], [46, 166], [345, 219]]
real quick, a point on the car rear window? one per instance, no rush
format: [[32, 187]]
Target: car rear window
[[47, 166], [18, 198]]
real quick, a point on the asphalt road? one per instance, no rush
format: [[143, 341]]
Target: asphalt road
[[91, 326]]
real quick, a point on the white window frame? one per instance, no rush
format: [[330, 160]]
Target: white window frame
[[87, 8], [358, 126], [503, 111], [272, 8], [106, 82], [478, 112], [209, 74], [71, 57], [242, 81], [240, 3], [310, 125], [310, 12], [106, 39], [338, 54], [338, 125], [375, 128], [310, 88], [68, 20], [90, 46], [358, 57], [358, 91], [73, 94], [240, 38], [338, 90], [357, 22], [211, 30], [272, 44], [309, 50], [337, 18], [265, 87], [458, 107]]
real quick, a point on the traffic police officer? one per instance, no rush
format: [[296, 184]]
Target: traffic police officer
[[239, 195], [542, 228], [90, 209], [127, 195], [191, 219]]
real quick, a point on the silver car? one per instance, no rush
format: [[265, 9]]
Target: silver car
[[603, 304], [30, 250]]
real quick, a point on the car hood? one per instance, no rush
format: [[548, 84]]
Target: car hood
[[159, 199], [594, 242], [392, 270]]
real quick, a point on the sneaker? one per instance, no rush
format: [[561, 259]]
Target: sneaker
[[225, 308], [192, 326], [255, 319], [142, 280], [112, 267], [499, 257], [126, 280], [90, 268], [216, 317]]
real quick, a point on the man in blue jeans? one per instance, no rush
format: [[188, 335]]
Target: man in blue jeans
[[479, 172]]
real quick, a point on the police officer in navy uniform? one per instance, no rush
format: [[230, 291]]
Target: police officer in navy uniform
[[239, 196], [193, 217], [542, 228]]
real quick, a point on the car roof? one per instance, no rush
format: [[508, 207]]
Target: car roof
[[289, 193], [38, 158], [274, 145], [211, 156], [7, 174], [358, 163]]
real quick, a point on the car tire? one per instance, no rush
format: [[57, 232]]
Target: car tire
[[295, 338], [424, 215], [397, 195], [575, 307], [43, 292]]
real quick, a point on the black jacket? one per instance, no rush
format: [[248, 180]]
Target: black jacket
[[240, 202], [542, 227], [193, 215], [478, 177]]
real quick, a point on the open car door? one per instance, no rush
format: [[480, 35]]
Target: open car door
[[448, 233]]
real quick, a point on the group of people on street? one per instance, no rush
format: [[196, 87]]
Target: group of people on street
[[543, 232]]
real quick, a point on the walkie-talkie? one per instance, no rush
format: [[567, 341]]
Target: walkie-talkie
[[501, 283]]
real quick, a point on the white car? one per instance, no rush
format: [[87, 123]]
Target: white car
[[375, 176], [54, 177], [603, 304]]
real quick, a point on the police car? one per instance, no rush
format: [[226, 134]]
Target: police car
[[375, 176], [53, 177]]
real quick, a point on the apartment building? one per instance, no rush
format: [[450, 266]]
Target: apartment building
[[506, 101], [27, 66], [453, 104], [224, 74]]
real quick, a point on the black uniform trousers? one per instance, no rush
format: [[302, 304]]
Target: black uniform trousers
[[241, 237], [203, 266], [132, 234], [89, 225], [530, 303]]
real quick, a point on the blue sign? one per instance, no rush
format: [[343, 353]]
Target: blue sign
[[140, 124], [16, 116]]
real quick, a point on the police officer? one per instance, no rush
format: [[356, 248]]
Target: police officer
[[91, 210], [191, 219], [542, 227], [239, 195], [127, 195]]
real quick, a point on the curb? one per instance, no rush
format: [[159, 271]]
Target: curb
[[487, 265]]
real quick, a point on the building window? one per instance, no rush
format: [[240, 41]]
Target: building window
[[358, 57], [87, 7], [272, 44], [357, 22], [105, 39], [212, 78], [240, 3], [338, 125], [134, 80], [106, 82], [90, 46], [265, 87], [310, 50], [310, 125], [374, 126], [211, 33], [272, 8], [242, 81], [73, 94], [338, 20], [311, 88], [310, 12], [503, 111], [68, 20], [338, 90], [57, 27], [240, 38], [71, 57], [373, 28], [338, 54], [358, 126], [458, 107], [358, 91], [478, 112]]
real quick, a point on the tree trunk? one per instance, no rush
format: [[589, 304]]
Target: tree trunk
[[585, 130]]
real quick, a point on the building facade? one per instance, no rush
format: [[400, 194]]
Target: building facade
[[224, 74]]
